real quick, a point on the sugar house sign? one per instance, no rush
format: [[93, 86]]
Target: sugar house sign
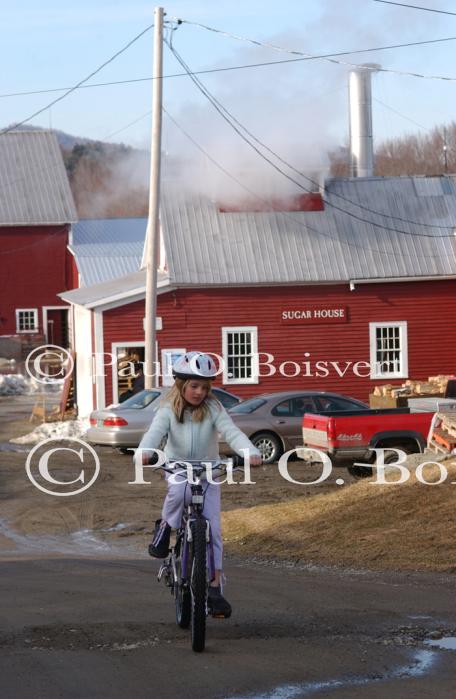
[[312, 314]]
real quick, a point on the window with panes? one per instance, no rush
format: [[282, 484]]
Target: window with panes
[[239, 354]]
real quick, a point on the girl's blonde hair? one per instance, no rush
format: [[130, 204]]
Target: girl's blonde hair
[[178, 403]]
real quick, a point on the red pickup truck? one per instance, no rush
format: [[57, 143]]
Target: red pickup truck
[[349, 436]]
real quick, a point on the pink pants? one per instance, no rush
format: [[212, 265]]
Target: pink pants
[[173, 508]]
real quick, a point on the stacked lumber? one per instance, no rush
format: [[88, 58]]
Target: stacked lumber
[[434, 386], [443, 438]]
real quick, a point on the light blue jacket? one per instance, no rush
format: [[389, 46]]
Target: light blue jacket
[[195, 440]]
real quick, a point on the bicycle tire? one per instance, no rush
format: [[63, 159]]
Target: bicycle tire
[[183, 599], [198, 585]]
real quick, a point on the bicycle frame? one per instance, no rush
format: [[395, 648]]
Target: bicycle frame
[[190, 566], [193, 509]]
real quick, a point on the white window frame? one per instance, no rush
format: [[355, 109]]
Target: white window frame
[[45, 310], [226, 330], [376, 372], [115, 378], [27, 310]]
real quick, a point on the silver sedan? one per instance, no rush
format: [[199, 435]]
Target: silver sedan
[[122, 426]]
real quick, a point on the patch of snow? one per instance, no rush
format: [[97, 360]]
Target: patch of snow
[[420, 664], [116, 527], [18, 384], [55, 430], [13, 384], [447, 642]]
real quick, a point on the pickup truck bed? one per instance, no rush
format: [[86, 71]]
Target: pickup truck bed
[[350, 435]]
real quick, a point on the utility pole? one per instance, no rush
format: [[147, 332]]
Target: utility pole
[[153, 226]]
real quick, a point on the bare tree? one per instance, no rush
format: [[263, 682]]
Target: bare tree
[[433, 153]]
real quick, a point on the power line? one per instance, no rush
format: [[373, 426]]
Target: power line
[[229, 118], [207, 71], [412, 121], [270, 209], [127, 126], [416, 7], [81, 87], [331, 57], [75, 87]]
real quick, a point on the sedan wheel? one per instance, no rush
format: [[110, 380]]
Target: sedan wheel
[[269, 446]]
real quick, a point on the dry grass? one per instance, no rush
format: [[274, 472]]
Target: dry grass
[[409, 526]]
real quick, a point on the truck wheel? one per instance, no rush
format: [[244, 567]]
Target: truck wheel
[[367, 471], [360, 471], [269, 446]]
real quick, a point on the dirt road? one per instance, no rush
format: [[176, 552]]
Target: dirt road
[[105, 629]]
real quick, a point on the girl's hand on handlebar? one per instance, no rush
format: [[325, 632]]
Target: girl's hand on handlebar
[[256, 460]]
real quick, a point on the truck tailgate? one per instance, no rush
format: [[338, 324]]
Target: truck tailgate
[[315, 431]]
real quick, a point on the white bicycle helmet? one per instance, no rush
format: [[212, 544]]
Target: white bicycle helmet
[[194, 365]]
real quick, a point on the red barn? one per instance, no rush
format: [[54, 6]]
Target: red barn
[[36, 211], [341, 297]]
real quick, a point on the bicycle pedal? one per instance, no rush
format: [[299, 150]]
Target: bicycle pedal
[[163, 569], [221, 616]]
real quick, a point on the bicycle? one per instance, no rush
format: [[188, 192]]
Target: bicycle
[[189, 567]]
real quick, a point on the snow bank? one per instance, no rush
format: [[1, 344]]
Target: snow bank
[[54, 430], [13, 384], [17, 384]]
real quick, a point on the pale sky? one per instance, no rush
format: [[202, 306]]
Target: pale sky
[[51, 44]]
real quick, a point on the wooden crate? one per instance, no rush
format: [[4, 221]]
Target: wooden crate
[[384, 402], [444, 439]]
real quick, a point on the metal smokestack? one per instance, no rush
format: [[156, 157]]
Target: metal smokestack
[[361, 138]]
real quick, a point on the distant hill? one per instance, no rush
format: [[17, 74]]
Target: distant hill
[[108, 180]]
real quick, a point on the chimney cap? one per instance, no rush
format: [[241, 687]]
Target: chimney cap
[[363, 67]]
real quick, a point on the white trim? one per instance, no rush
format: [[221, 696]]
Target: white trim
[[166, 357], [36, 329], [389, 280], [140, 291], [402, 373], [124, 297], [45, 310], [71, 322], [254, 340], [83, 347], [100, 390]]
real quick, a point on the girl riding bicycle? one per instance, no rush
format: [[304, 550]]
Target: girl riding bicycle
[[191, 419]]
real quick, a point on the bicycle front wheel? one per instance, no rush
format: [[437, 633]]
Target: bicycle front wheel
[[182, 599], [198, 584]]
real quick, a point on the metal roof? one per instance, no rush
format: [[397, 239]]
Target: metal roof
[[107, 248], [34, 187], [99, 294], [204, 246]]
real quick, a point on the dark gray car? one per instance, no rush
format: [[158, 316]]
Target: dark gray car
[[273, 421], [122, 426]]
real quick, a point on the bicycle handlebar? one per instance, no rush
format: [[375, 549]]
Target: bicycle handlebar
[[237, 462]]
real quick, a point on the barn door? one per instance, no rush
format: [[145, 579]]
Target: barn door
[[57, 330]]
